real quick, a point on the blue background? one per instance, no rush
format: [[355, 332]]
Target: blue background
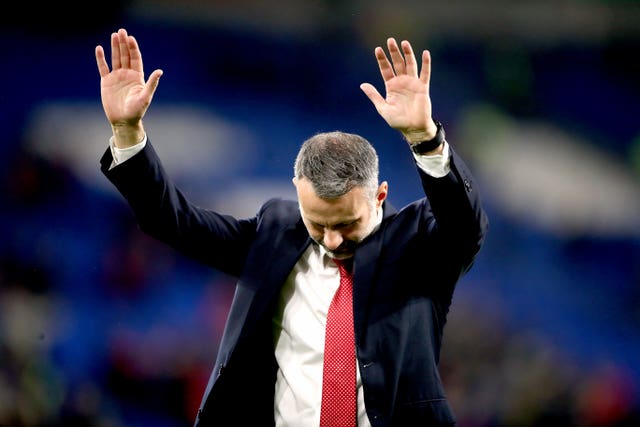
[[100, 325]]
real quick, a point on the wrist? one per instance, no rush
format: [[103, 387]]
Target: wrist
[[415, 136], [431, 142], [125, 136]]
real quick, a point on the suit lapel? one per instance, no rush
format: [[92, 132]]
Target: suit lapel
[[278, 263], [366, 264]]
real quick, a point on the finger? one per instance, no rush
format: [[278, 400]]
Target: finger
[[410, 59], [386, 70], [396, 56], [135, 57], [115, 51], [373, 95], [425, 72], [103, 67], [152, 84], [124, 48]]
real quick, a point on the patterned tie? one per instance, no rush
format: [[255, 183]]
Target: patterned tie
[[339, 373]]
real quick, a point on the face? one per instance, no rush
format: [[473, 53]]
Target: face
[[339, 224]]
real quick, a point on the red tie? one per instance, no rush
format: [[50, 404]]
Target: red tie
[[339, 373]]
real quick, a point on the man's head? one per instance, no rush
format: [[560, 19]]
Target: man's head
[[336, 179]]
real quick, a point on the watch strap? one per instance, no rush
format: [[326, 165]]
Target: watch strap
[[423, 147]]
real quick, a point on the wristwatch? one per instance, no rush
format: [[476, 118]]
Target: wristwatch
[[423, 147]]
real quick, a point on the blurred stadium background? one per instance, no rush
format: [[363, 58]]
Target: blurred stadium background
[[101, 326]]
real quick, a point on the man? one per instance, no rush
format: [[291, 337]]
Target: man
[[292, 256]]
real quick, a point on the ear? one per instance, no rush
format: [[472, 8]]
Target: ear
[[383, 190]]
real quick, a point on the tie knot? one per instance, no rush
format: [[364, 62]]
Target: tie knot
[[344, 265]]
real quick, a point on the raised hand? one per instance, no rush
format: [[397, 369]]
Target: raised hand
[[125, 94], [407, 105]]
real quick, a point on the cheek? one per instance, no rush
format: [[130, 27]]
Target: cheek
[[362, 231], [355, 234]]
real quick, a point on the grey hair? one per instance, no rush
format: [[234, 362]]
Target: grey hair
[[336, 162]]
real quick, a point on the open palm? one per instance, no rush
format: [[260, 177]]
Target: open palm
[[125, 95], [407, 106]]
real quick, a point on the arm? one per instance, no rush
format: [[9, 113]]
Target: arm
[[125, 95], [454, 200], [407, 106], [161, 210]]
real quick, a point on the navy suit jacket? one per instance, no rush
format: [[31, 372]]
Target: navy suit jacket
[[404, 277]]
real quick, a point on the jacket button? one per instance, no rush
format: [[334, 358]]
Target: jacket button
[[467, 185]]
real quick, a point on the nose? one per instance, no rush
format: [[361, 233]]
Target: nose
[[332, 239]]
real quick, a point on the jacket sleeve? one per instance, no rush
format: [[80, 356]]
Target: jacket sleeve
[[461, 222], [163, 212]]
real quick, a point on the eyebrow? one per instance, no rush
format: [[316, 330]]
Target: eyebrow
[[339, 224]]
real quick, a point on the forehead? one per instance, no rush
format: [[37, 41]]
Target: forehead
[[347, 208]]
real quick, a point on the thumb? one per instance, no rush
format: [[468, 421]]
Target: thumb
[[373, 94], [152, 83]]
